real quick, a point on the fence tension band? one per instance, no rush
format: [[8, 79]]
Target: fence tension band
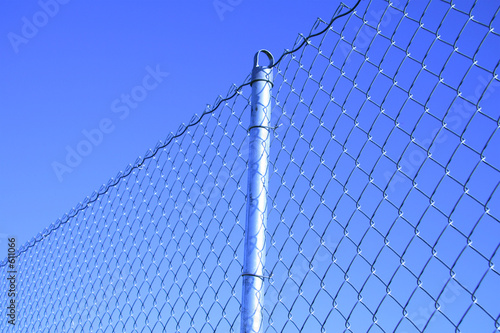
[[259, 276]]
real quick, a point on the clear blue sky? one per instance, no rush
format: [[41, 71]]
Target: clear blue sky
[[69, 72]]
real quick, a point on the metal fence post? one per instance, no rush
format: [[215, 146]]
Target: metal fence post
[[258, 175]]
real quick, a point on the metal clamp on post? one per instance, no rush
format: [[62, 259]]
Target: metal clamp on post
[[259, 276], [258, 175], [263, 73]]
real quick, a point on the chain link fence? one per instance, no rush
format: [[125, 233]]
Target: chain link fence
[[383, 211]]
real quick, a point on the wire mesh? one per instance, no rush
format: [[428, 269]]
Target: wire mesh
[[385, 177], [383, 196]]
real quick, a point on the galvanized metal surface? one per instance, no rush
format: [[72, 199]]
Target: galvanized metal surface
[[258, 176]]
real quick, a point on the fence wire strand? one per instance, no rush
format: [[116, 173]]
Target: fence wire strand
[[383, 195]]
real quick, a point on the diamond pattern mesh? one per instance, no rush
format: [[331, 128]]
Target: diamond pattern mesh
[[383, 196]]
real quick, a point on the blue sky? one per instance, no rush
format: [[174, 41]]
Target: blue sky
[[68, 73]]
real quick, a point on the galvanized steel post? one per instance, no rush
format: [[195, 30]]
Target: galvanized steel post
[[258, 175]]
